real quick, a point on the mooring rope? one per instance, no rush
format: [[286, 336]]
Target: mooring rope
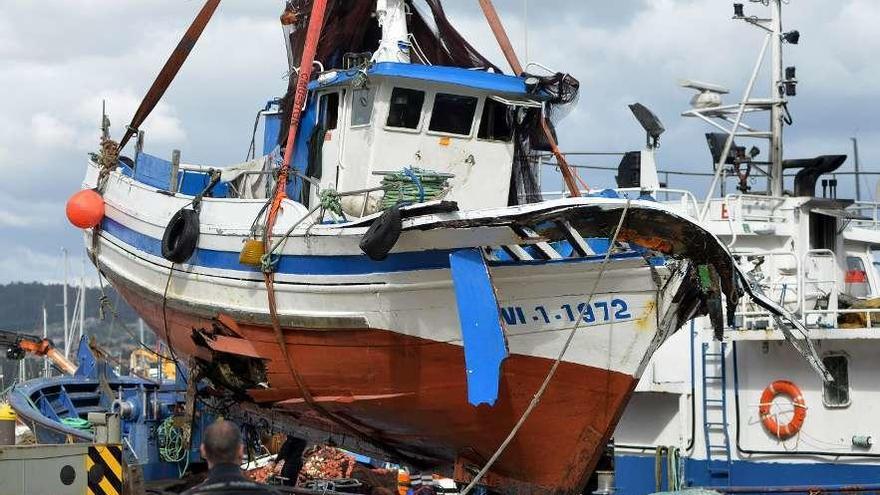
[[550, 374]]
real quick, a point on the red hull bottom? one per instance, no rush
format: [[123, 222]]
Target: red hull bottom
[[411, 394]]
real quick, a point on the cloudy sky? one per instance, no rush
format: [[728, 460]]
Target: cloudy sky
[[60, 59]]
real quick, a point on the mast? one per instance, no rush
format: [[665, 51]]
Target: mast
[[64, 292], [777, 94], [394, 46], [82, 300], [858, 169], [45, 336]]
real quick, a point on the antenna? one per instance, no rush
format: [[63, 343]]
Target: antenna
[[105, 121]]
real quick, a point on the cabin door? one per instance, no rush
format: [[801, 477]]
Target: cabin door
[[326, 142]]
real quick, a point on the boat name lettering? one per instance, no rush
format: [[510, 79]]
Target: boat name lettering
[[595, 312]]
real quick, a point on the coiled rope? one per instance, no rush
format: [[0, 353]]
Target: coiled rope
[[550, 374], [173, 444], [413, 185], [78, 424]]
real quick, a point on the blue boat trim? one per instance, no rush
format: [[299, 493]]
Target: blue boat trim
[[436, 259], [469, 78], [634, 474]]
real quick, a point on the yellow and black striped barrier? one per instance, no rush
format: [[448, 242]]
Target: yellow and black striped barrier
[[104, 467]]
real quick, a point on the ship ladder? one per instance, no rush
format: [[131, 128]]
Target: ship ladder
[[715, 425]]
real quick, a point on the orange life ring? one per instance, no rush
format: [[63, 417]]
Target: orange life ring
[[783, 387]]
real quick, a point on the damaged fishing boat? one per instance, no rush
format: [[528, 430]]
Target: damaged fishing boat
[[388, 273]]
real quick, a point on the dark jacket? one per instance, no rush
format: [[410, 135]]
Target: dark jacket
[[227, 479]]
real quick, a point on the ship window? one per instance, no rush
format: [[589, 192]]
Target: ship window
[[361, 106], [496, 124], [453, 114], [856, 278], [836, 393], [823, 231], [406, 108], [329, 111]]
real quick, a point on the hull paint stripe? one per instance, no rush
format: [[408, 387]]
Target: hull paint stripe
[[309, 264]]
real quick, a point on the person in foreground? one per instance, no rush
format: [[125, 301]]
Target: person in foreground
[[223, 449]]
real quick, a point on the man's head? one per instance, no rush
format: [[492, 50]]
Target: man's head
[[221, 443]]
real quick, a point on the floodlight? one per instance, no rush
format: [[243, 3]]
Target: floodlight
[[738, 10], [648, 121], [792, 37]]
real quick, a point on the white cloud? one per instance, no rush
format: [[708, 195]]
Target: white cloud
[[24, 264], [48, 131]]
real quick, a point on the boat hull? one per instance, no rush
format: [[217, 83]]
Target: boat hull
[[375, 349], [411, 395]]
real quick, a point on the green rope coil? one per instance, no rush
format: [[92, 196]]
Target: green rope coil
[[171, 444], [331, 201], [77, 424], [412, 185]]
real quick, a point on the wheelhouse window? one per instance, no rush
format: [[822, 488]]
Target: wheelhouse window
[[405, 109], [453, 114], [496, 124], [836, 393], [362, 106], [856, 278], [328, 115]]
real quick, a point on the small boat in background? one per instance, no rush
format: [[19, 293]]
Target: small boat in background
[[57, 410]]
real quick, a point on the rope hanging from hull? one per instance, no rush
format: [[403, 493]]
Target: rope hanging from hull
[[316, 22]]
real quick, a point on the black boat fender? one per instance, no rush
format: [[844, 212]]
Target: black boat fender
[[382, 235], [181, 236], [182, 233]]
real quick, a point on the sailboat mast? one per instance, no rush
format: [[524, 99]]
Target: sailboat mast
[[45, 336], [64, 292], [777, 179], [82, 300]]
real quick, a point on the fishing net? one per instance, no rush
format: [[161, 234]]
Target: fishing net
[[440, 42], [351, 27]]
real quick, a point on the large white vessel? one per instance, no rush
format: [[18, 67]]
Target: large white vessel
[[748, 414]]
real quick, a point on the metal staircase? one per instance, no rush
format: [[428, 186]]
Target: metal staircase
[[715, 426]]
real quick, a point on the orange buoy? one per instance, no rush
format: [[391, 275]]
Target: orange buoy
[[787, 388], [85, 209]]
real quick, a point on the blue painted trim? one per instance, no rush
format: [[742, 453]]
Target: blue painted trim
[[156, 172], [289, 264], [474, 79], [318, 265], [484, 345], [634, 474]]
